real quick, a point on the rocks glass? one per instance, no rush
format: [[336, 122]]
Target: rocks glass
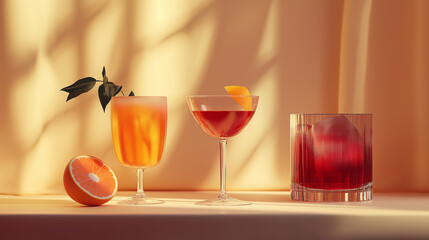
[[331, 157]]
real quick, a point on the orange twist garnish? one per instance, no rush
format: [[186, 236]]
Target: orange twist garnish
[[245, 102]]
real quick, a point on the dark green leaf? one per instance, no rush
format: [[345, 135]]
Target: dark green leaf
[[80, 86], [106, 91], [81, 83], [103, 73], [131, 94], [118, 90]]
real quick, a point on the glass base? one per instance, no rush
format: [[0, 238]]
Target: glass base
[[223, 200], [140, 201], [300, 193]]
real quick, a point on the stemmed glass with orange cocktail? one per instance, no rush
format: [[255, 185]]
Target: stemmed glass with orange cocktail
[[139, 127]]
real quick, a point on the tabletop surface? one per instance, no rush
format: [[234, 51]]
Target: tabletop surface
[[272, 215]]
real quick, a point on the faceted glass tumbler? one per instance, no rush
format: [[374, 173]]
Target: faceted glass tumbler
[[331, 157]]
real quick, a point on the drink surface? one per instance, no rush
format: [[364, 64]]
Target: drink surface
[[330, 155], [138, 131], [221, 124]]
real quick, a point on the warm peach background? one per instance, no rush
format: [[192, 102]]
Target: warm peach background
[[298, 56]]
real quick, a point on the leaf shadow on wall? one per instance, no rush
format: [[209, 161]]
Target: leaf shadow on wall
[[17, 69], [231, 61]]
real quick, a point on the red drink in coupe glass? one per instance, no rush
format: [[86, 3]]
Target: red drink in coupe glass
[[222, 124], [222, 117], [331, 157]]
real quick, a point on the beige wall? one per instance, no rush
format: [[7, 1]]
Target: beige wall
[[298, 56]]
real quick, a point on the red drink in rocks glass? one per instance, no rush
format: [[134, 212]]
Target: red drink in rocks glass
[[331, 157]]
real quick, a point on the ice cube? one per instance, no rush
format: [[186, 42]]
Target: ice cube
[[338, 147]]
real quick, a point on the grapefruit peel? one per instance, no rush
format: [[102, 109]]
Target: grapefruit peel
[[245, 102]]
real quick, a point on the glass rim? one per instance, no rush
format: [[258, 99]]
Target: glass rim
[[333, 114], [219, 96], [139, 97]]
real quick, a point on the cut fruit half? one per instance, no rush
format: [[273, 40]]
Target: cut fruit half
[[245, 102], [89, 181]]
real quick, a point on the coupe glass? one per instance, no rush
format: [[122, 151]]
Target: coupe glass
[[138, 129], [222, 117]]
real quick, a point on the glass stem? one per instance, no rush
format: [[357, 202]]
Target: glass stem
[[140, 192], [222, 151]]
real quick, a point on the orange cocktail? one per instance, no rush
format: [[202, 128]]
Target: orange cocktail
[[138, 130]]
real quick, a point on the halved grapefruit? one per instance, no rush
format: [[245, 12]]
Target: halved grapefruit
[[89, 181]]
